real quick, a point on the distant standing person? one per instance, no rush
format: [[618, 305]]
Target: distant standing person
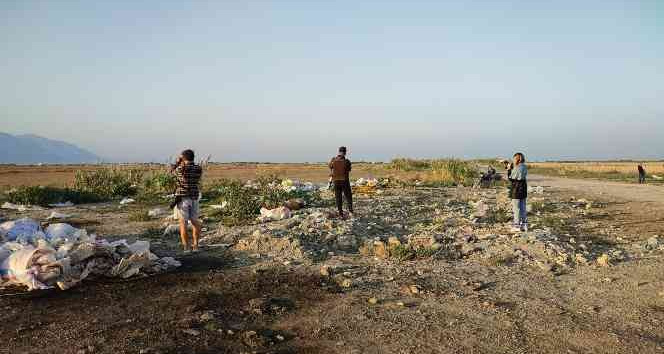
[[187, 193], [519, 192], [642, 174], [340, 168]]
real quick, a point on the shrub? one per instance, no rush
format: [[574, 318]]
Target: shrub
[[160, 182], [243, 204], [156, 185], [402, 252], [542, 207], [442, 172], [139, 215], [38, 195], [404, 164], [108, 183], [498, 215], [454, 171]]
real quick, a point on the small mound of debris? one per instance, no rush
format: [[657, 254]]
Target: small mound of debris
[[63, 256]]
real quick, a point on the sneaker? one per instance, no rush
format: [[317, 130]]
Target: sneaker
[[524, 227], [186, 251]]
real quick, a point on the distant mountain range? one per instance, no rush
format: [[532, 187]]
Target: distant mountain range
[[33, 149]]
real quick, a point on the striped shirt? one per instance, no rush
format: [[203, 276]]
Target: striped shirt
[[188, 178]]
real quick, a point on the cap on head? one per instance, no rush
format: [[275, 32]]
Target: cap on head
[[188, 155]]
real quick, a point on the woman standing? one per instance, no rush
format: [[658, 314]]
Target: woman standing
[[519, 192]]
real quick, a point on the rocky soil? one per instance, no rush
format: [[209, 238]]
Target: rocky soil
[[416, 270]]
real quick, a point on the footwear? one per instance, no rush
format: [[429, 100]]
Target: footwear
[[524, 227], [515, 229], [186, 251]]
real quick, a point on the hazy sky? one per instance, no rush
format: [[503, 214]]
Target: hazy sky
[[292, 80]]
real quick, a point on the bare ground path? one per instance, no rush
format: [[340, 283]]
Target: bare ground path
[[624, 191]]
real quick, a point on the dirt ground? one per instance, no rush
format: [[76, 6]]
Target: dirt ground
[[230, 299]]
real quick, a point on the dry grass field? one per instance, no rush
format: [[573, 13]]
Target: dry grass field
[[63, 175], [618, 171]]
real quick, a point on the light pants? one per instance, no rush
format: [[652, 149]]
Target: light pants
[[520, 212]]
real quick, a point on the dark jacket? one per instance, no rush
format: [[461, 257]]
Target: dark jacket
[[519, 187], [340, 168]]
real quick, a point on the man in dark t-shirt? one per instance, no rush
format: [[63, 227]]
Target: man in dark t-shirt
[[340, 168]]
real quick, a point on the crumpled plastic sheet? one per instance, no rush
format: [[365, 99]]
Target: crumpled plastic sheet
[[62, 205], [57, 215], [62, 256], [536, 189], [127, 201], [369, 182], [274, 214], [20, 207]]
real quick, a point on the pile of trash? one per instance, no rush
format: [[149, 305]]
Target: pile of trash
[[289, 185], [369, 182], [20, 207], [62, 256]]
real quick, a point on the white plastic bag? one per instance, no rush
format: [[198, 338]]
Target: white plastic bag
[[56, 215], [126, 201], [275, 214], [21, 228]]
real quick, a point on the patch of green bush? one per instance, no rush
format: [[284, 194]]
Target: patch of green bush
[[498, 216], [108, 183], [405, 164], [242, 203], [455, 171], [406, 252], [161, 182], [139, 215], [43, 196], [402, 252], [441, 172], [156, 185]]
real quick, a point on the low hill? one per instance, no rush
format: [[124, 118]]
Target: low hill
[[33, 149]]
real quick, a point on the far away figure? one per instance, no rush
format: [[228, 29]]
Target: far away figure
[[642, 174]]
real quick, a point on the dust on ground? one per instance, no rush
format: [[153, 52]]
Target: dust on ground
[[418, 270]]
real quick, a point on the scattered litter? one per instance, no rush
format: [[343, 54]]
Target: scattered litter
[[156, 212], [536, 189], [481, 209], [21, 229], [21, 208], [56, 215], [126, 201], [659, 178], [63, 256], [274, 214], [62, 205], [223, 205], [369, 182]]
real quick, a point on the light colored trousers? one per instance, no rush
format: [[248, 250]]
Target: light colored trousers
[[520, 212]]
